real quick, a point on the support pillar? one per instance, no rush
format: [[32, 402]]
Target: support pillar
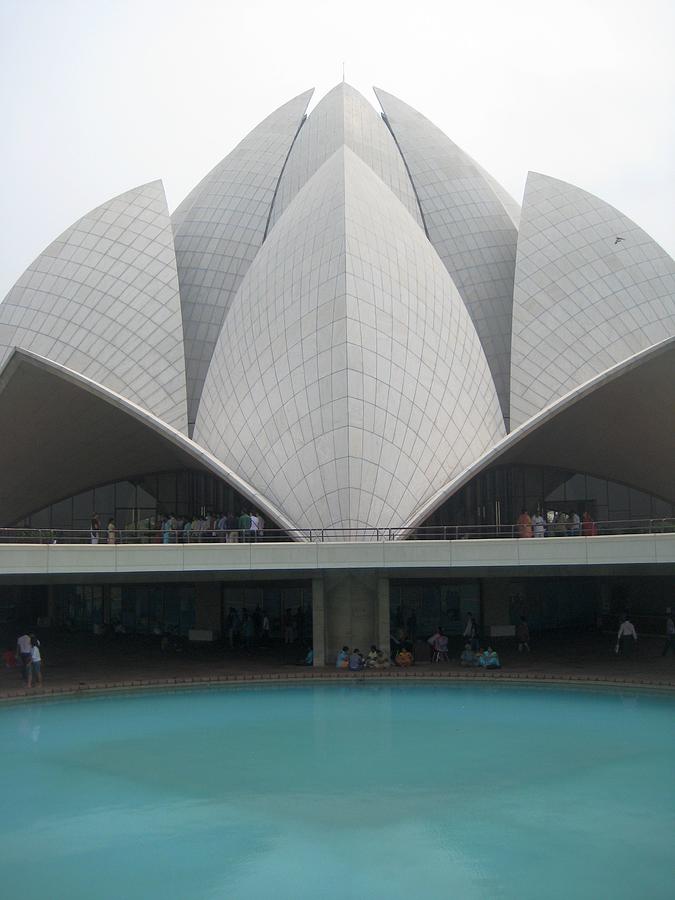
[[383, 615], [318, 622]]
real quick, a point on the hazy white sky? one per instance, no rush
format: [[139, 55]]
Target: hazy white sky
[[99, 96]]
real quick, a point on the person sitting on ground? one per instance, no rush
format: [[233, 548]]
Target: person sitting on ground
[[468, 657], [356, 661], [404, 658], [523, 635], [371, 658], [9, 659], [381, 660], [489, 659], [342, 661]]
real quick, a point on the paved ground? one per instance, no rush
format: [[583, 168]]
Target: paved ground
[[82, 663]]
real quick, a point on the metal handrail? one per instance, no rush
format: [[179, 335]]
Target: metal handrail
[[174, 537]]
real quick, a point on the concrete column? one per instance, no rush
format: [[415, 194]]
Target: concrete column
[[495, 595], [51, 605], [383, 615], [352, 612], [318, 622], [207, 606]]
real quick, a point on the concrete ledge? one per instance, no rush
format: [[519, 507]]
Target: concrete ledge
[[331, 676], [443, 556]]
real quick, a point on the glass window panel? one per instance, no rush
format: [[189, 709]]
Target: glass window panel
[[575, 487], [62, 514], [533, 482], [144, 498], [40, 519], [596, 489], [125, 494], [640, 504], [104, 500], [661, 508], [83, 505], [618, 497], [554, 484]]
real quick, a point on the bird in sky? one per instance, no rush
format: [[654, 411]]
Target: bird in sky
[[618, 239]]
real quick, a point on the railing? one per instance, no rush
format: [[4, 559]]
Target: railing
[[324, 535]]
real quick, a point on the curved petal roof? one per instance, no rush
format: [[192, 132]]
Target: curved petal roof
[[349, 380], [219, 228], [587, 430], [103, 299], [471, 221], [591, 290], [344, 116], [89, 435]]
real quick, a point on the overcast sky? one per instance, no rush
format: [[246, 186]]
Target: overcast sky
[[99, 96]]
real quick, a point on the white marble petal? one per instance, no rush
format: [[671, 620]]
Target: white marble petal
[[349, 383], [591, 290], [344, 116], [471, 221], [219, 228], [103, 300]]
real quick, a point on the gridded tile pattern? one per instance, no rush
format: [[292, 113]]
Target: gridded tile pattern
[[344, 116], [219, 228], [349, 384], [103, 300], [583, 300], [472, 223]]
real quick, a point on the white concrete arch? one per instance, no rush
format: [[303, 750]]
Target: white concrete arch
[[350, 379], [591, 290], [219, 228], [103, 300]]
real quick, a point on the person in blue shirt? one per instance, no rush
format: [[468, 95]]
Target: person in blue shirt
[[342, 661]]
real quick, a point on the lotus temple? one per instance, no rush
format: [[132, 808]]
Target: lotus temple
[[351, 331]]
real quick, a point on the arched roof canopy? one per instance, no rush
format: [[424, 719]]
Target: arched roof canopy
[[70, 433], [619, 426]]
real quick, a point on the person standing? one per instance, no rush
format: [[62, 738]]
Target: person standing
[[588, 526], [244, 525], [627, 637], [574, 524], [523, 635], [35, 668], [24, 653], [524, 525], [94, 529], [538, 525], [112, 532], [670, 633], [470, 633]]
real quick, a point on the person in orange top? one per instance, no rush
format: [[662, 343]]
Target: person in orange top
[[404, 658], [524, 525]]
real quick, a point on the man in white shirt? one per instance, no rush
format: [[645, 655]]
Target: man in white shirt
[[626, 638], [24, 652], [538, 525]]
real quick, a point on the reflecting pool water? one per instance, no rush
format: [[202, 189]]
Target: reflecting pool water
[[359, 790]]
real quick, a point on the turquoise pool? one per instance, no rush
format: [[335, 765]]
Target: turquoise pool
[[359, 790]]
